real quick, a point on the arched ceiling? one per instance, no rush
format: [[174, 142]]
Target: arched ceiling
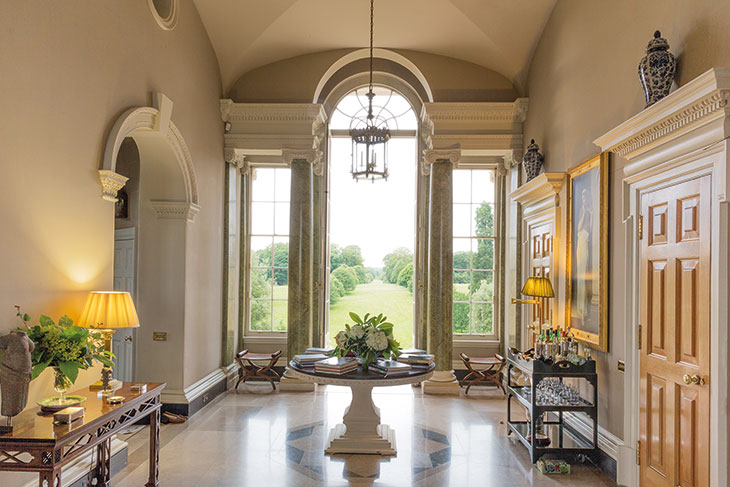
[[498, 34]]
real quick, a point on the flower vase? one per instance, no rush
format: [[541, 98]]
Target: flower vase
[[656, 69], [61, 384], [364, 363]]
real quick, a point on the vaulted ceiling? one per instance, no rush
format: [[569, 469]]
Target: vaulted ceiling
[[498, 34]]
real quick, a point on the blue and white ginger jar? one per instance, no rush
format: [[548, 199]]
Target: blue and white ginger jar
[[532, 161], [656, 69]]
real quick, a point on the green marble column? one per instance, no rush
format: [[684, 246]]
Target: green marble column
[[299, 332], [440, 265]]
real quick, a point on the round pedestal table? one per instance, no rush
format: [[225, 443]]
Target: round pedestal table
[[361, 431]]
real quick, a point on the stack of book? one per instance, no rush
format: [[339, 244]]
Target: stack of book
[[316, 350], [309, 359], [336, 365], [390, 368], [416, 360]]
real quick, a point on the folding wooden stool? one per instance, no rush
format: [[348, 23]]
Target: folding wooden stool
[[483, 369], [254, 370]]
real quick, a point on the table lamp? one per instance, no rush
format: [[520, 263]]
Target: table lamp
[[538, 287], [106, 312]]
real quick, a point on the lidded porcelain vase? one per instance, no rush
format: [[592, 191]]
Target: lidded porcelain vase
[[532, 161], [656, 69]]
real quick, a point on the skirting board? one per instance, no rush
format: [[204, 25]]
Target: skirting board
[[193, 398], [74, 474], [608, 444]]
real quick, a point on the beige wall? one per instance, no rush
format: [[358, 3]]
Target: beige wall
[[294, 80], [583, 82], [68, 71]]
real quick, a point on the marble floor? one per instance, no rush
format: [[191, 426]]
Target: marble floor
[[257, 438]]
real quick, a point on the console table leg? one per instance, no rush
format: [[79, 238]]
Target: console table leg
[[103, 465], [154, 479], [50, 478]]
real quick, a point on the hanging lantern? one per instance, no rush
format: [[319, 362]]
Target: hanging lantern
[[370, 143]]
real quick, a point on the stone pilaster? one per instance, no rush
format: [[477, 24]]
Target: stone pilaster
[[440, 270]]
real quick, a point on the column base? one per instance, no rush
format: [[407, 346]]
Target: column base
[[442, 382], [291, 384]]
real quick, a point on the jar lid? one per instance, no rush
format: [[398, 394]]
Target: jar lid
[[533, 146], [657, 43]]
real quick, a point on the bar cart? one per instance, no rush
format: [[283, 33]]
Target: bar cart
[[558, 439]]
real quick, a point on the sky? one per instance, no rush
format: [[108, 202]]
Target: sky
[[379, 216]]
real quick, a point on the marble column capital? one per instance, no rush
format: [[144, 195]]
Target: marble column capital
[[312, 156], [235, 158], [434, 155]]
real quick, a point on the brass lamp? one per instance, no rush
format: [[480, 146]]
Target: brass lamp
[[538, 287], [106, 312]]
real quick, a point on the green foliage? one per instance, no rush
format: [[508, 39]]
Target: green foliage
[[352, 256], [461, 313], [336, 259], [337, 290], [369, 337], [461, 261], [64, 345], [484, 257], [395, 262], [347, 276], [280, 255], [364, 276], [260, 288], [405, 277]]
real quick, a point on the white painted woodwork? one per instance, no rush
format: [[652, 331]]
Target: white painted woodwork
[[124, 280]]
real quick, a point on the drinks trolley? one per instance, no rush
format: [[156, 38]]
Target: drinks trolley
[[548, 398]]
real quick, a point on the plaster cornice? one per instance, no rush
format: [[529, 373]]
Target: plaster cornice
[[545, 185], [175, 210], [697, 104], [272, 112], [504, 112]]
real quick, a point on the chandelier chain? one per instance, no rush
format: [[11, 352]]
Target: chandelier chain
[[370, 87]]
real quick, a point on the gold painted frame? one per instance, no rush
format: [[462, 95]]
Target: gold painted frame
[[597, 341]]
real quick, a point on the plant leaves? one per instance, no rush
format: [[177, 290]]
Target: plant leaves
[[46, 321], [38, 368], [70, 370], [356, 318], [26, 317], [104, 361], [65, 321]]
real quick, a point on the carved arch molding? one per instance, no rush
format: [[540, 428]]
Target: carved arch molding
[[156, 121]]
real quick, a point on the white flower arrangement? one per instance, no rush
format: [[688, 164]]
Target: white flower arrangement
[[367, 338]]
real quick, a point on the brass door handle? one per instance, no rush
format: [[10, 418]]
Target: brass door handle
[[694, 379]]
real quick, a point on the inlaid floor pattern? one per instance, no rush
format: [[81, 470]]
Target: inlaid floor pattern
[[257, 438]]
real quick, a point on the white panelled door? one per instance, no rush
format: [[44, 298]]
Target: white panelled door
[[124, 273]]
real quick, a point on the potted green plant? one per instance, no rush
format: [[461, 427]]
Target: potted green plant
[[65, 347], [367, 338]]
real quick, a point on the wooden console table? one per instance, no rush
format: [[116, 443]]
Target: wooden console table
[[45, 448]]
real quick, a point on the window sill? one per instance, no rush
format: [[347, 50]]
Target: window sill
[[473, 339], [265, 337]]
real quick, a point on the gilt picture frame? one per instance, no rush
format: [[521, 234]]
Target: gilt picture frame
[[587, 259]]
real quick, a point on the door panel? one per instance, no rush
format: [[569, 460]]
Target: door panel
[[124, 273], [675, 311], [541, 252]]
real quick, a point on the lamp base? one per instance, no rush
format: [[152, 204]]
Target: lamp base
[[114, 384]]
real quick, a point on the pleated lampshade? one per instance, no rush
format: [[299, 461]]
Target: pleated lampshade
[[540, 287], [109, 310]]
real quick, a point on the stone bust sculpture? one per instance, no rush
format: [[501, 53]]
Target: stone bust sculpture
[[15, 372]]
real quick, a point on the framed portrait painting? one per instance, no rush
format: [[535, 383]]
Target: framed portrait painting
[[588, 223]]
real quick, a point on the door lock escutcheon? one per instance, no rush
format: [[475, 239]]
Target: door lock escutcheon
[[694, 379]]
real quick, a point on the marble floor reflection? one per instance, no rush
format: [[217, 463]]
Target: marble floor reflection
[[257, 438]]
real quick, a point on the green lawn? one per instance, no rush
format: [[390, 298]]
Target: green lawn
[[395, 302]]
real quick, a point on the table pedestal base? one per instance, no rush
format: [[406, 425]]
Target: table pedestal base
[[361, 432]]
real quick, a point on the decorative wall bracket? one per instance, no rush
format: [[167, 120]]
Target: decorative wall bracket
[[111, 183], [237, 159]]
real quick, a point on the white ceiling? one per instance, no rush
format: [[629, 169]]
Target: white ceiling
[[498, 34]]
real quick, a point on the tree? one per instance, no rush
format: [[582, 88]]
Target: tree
[[482, 312], [337, 290], [363, 275], [461, 313], [347, 277], [281, 259], [352, 256], [260, 288], [461, 261], [405, 277], [484, 257], [335, 256], [395, 262]]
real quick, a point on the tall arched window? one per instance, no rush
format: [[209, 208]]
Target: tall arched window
[[372, 225]]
